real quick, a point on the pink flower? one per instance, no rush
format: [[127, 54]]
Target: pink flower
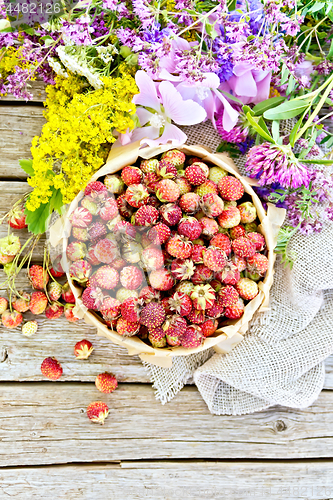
[[248, 84], [165, 104]]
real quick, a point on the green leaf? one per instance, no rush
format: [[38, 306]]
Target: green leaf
[[318, 162], [275, 130], [232, 5], [263, 106], [330, 52], [56, 201], [27, 166], [37, 220], [247, 109], [211, 31], [259, 129], [285, 74], [291, 85], [231, 97], [288, 109], [294, 131], [316, 7]]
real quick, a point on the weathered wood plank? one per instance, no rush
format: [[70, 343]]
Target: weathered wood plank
[[36, 88], [45, 423], [284, 480], [18, 126]]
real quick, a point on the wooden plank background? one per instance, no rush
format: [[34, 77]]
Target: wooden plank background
[[174, 451]]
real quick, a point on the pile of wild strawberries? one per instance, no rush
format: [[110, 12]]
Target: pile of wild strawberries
[[168, 250]]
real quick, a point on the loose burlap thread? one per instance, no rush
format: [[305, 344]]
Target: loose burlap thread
[[280, 361]]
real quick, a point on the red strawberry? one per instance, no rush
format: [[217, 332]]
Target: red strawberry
[[212, 205], [243, 247], [17, 217], [21, 304], [258, 263], [202, 297], [190, 227], [170, 214], [80, 271], [156, 337], [38, 277], [161, 279], [38, 302], [215, 259], [106, 251], [216, 310], [192, 338], [230, 188], [258, 240], [56, 270], [97, 231], [247, 288], [166, 169], [106, 382], [195, 174], [107, 277], [235, 311], [11, 319], [189, 203], [201, 274], [230, 217], [209, 226], [216, 284], [125, 229], [96, 190], [69, 315], [127, 328], [131, 277], [222, 241], [146, 216], [97, 412], [196, 316], [148, 293], [131, 175], [83, 349], [181, 303], [119, 263], [182, 269], [197, 253], [137, 195], [175, 157], [51, 368], [110, 309], [80, 217], [124, 208], [209, 327], [236, 232], [110, 209], [131, 308], [167, 191], [76, 251], [228, 296], [230, 274], [92, 298], [54, 310], [174, 327], [3, 304], [159, 234], [151, 181], [67, 294], [179, 247], [152, 315]]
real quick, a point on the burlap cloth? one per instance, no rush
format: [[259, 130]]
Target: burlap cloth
[[281, 359]]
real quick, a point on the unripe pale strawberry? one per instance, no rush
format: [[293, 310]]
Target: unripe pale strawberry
[[124, 293], [193, 337], [11, 319], [202, 297], [230, 188], [97, 412], [230, 217], [183, 184], [38, 277], [29, 328], [92, 207], [152, 259], [38, 303], [51, 368], [149, 165], [54, 290], [83, 349], [9, 247], [157, 338], [106, 382], [161, 279], [114, 183], [21, 304], [80, 233], [216, 174], [247, 212], [247, 288], [131, 252], [76, 250], [185, 287], [206, 187], [3, 304]]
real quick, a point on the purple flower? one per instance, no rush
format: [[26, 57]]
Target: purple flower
[[271, 163], [248, 84]]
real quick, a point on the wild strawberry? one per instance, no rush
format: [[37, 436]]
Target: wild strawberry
[[152, 315], [92, 207], [56, 270], [196, 174], [9, 247], [125, 229], [236, 232], [206, 187], [136, 195], [189, 203], [183, 184], [131, 175], [230, 217], [107, 277], [152, 201], [83, 349], [161, 279], [123, 294], [197, 253], [148, 293], [67, 294], [230, 188], [152, 259], [38, 277], [216, 284], [106, 251], [174, 326], [228, 296], [69, 315], [240, 263], [190, 227], [212, 205], [151, 181], [247, 288], [159, 234], [167, 191], [251, 227], [124, 208], [29, 328], [80, 233], [166, 169], [230, 275], [51, 368], [215, 259], [76, 251], [170, 214], [258, 240], [156, 337], [180, 303], [119, 263], [92, 298], [97, 412], [182, 269], [131, 277], [209, 327], [209, 226], [130, 309], [235, 311], [179, 247], [127, 328], [3, 304], [17, 217], [54, 310], [258, 263], [38, 302], [132, 252], [96, 189], [80, 271], [110, 209], [222, 241], [247, 212], [81, 217], [216, 174], [201, 274], [216, 310], [110, 308], [97, 231], [114, 183], [11, 319], [202, 296], [21, 304], [193, 337], [106, 382], [149, 165], [185, 287], [174, 156], [243, 247], [146, 216]]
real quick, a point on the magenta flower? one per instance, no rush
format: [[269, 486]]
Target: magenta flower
[[159, 104], [270, 163]]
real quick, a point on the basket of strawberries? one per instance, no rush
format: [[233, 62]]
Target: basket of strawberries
[[169, 251]]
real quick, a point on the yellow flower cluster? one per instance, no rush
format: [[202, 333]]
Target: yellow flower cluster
[[12, 58], [75, 141]]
